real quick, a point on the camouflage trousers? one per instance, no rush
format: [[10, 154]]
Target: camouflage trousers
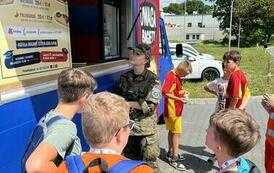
[[144, 148]]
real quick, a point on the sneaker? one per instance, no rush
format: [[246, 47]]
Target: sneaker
[[180, 157], [177, 165]]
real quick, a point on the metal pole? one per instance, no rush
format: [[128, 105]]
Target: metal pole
[[213, 25], [184, 34], [239, 35], [230, 25]]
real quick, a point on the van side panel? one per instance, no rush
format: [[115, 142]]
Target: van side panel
[[19, 118], [17, 122]]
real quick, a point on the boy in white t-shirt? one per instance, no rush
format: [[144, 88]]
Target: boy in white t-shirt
[[218, 88]]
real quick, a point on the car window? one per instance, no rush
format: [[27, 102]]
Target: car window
[[186, 48], [190, 52], [185, 57], [172, 50], [191, 49]]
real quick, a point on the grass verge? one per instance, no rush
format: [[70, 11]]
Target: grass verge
[[254, 62]]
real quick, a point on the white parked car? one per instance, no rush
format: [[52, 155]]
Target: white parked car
[[188, 49], [202, 66]]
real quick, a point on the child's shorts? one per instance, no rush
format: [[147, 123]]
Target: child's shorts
[[174, 124]]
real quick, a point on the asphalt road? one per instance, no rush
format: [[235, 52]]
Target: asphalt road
[[271, 50], [192, 141]]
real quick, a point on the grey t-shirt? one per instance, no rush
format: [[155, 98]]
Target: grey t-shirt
[[61, 134]]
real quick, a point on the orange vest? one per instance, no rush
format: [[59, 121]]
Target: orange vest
[[111, 159], [270, 128]]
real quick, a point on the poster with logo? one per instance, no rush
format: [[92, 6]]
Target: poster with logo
[[34, 39], [148, 28]]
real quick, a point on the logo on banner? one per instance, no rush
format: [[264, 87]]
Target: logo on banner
[[148, 20]]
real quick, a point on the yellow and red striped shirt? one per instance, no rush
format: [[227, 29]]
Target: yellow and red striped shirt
[[173, 85]]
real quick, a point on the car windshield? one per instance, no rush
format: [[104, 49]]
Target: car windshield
[[191, 49], [186, 48]]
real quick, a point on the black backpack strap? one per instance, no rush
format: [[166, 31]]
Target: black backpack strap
[[98, 161], [253, 167]]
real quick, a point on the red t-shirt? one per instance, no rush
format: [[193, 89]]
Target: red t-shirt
[[236, 87], [174, 86]]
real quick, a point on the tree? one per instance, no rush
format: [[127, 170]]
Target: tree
[[193, 7], [257, 21], [174, 8], [197, 6]]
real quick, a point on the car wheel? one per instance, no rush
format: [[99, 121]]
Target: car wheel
[[210, 74]]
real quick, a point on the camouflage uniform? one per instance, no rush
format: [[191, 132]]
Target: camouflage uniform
[[143, 143]]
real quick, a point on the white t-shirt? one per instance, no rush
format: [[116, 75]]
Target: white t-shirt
[[219, 87]]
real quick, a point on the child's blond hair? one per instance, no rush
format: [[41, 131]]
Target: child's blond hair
[[184, 66], [104, 114]]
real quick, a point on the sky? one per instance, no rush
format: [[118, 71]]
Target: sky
[[165, 3]]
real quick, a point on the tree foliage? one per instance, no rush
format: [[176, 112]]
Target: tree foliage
[[192, 7], [174, 8], [256, 16]]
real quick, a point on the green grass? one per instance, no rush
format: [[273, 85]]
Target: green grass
[[254, 63]]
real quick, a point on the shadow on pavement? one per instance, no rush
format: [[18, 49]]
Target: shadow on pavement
[[163, 155], [192, 162], [200, 150], [197, 164]]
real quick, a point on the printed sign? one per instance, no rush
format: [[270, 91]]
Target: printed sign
[[34, 39], [148, 21], [148, 28]]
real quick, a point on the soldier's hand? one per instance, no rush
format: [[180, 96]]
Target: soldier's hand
[[268, 102]]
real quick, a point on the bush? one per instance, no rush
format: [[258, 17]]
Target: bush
[[212, 41]]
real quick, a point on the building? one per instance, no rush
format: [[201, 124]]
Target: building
[[192, 28]]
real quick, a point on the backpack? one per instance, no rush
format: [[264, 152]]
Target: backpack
[[75, 164], [246, 164], [36, 138]]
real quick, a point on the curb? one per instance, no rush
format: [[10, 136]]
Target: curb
[[204, 101]]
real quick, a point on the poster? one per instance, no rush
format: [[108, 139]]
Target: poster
[[34, 39], [149, 28]]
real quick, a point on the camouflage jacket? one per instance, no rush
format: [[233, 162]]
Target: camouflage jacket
[[146, 90]]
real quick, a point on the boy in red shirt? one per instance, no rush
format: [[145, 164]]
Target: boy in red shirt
[[237, 85], [175, 98]]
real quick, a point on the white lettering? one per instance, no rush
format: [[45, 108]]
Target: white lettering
[[148, 24], [148, 16], [148, 37]]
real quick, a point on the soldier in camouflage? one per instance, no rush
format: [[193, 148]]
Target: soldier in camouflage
[[143, 92]]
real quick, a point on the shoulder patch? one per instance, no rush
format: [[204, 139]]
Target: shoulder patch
[[156, 93]]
